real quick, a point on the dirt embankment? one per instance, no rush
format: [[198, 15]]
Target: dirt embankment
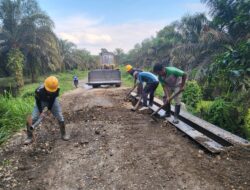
[[114, 148]]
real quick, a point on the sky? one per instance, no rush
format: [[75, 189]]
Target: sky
[[111, 24]]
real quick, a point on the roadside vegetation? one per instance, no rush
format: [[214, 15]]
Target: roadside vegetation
[[214, 52], [216, 55], [30, 51], [14, 110]]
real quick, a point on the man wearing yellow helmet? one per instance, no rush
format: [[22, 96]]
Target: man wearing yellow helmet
[[46, 96], [128, 68], [131, 71]]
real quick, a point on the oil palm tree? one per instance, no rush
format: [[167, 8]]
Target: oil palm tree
[[66, 51], [231, 16], [200, 40], [24, 26]]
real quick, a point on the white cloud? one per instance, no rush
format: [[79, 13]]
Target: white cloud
[[94, 34], [79, 37]]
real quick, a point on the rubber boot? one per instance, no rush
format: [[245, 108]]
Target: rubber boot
[[29, 138], [168, 110], [64, 136], [151, 100], [176, 114]]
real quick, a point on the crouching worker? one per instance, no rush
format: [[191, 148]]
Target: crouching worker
[[46, 96], [172, 80], [150, 84]]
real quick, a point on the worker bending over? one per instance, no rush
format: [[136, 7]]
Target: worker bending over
[[131, 71], [46, 96], [172, 80], [150, 82]]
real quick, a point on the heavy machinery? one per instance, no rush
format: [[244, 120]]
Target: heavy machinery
[[107, 74]]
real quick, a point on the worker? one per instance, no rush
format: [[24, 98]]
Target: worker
[[75, 79], [46, 95], [151, 83], [131, 71], [172, 80]]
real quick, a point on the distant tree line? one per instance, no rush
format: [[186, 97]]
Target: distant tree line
[[29, 47]]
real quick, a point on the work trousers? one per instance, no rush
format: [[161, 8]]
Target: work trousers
[[55, 110], [149, 89]]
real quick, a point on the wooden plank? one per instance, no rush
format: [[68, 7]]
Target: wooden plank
[[233, 139], [203, 140]]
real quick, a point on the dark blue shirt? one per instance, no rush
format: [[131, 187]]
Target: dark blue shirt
[[75, 78]]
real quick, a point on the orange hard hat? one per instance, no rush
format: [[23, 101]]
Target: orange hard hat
[[51, 84]]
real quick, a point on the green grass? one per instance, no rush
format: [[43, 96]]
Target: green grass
[[127, 79], [13, 114], [65, 82], [14, 110]]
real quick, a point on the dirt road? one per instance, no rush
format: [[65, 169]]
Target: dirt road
[[114, 148]]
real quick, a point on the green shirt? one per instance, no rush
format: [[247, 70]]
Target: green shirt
[[172, 78]]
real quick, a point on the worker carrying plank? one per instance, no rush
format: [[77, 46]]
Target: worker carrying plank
[[150, 82], [46, 96], [172, 80]]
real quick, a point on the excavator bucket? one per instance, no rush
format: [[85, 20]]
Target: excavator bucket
[[100, 77]]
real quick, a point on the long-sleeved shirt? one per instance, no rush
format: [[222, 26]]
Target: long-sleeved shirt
[[41, 95]]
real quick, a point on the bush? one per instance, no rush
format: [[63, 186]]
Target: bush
[[192, 94], [225, 115], [202, 108], [247, 124]]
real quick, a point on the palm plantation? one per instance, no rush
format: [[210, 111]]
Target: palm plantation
[[26, 30], [214, 51]]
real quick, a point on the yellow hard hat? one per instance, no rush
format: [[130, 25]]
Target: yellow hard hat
[[128, 67], [51, 84]]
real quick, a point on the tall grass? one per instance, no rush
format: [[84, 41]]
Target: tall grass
[[13, 113], [14, 110]]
